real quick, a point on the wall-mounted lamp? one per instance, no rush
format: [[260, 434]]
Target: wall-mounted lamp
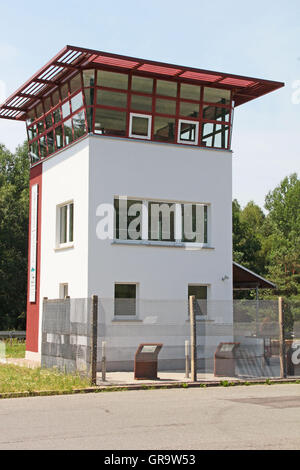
[[224, 278]]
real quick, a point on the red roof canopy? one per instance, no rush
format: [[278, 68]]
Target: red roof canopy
[[71, 59]]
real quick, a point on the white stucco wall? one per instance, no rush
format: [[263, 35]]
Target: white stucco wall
[[65, 178], [164, 172]]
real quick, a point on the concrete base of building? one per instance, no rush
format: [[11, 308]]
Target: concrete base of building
[[33, 356]]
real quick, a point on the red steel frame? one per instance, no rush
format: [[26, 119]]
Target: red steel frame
[[126, 109], [58, 106], [72, 58], [176, 116]]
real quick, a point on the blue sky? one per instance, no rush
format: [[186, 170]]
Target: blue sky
[[259, 39]]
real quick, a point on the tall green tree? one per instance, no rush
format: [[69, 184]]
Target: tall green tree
[[246, 242], [14, 201], [283, 234]]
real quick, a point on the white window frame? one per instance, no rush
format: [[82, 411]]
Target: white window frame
[[183, 141], [127, 317], [147, 116], [68, 243], [177, 225]]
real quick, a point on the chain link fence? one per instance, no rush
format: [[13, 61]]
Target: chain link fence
[[291, 334], [67, 335], [239, 338]]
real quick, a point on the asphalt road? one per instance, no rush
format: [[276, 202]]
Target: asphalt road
[[253, 417]]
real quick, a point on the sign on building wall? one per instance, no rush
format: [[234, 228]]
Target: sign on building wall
[[33, 243]]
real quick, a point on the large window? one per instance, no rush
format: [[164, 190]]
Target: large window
[[160, 221], [125, 300]]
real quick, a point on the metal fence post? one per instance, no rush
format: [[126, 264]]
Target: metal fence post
[[103, 361], [193, 340], [281, 339], [94, 340], [187, 359]]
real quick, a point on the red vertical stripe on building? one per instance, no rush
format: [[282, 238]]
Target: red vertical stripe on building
[[32, 321]]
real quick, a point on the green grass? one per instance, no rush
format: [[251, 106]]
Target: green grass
[[22, 379], [15, 348]]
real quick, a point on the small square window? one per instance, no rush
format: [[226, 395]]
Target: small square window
[[188, 132], [125, 299], [140, 126], [200, 293]]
